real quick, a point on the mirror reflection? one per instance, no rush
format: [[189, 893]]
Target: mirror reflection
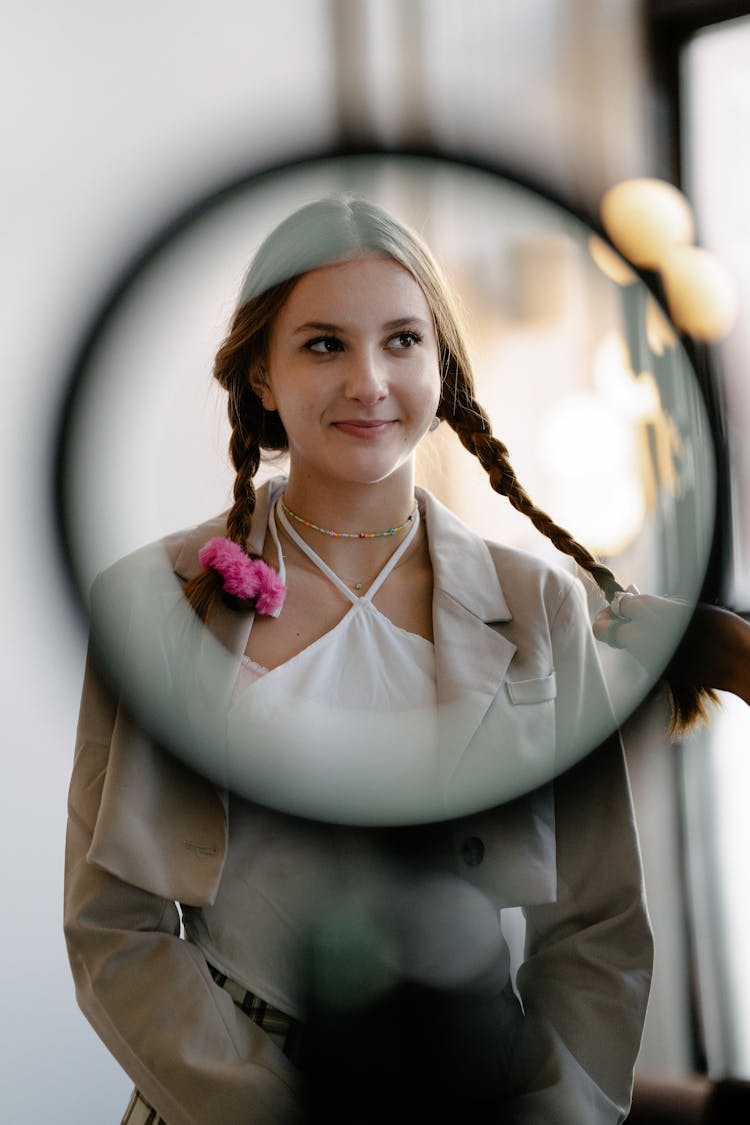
[[582, 380]]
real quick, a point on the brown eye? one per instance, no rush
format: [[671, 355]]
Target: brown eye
[[324, 345], [405, 340]]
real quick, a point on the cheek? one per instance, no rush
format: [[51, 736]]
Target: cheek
[[437, 389], [430, 389], [298, 411], [433, 378]]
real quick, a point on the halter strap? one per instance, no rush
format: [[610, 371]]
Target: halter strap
[[279, 553], [277, 511]]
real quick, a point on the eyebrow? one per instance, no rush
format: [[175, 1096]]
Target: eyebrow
[[389, 326]]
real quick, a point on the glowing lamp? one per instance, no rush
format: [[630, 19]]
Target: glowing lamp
[[610, 263], [700, 291], [646, 218]]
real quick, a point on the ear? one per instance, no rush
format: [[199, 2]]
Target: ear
[[259, 383]]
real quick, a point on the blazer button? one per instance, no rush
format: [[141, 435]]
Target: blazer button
[[472, 851]]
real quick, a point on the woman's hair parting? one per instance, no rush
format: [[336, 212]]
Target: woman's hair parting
[[336, 229]]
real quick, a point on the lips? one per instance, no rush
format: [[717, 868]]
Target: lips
[[366, 428]]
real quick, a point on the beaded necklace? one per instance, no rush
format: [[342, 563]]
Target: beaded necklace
[[350, 534]]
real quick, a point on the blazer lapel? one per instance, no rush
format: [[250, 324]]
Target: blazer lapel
[[481, 729], [472, 658]]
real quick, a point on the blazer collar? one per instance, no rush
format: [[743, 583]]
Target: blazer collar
[[471, 656], [461, 563]]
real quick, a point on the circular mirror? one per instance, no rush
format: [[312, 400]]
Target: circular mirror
[[584, 381]]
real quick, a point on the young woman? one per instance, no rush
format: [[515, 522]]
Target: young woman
[[342, 607]]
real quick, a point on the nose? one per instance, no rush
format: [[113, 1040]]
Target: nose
[[366, 380]]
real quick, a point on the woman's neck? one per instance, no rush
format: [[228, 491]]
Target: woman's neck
[[352, 508]]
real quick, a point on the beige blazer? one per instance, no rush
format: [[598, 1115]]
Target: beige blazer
[[147, 829]]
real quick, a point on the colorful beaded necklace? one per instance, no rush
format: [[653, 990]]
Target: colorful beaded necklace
[[351, 534]]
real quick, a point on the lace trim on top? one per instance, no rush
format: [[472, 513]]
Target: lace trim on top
[[249, 672]]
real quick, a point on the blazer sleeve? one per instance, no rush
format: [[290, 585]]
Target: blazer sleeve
[[148, 994], [585, 979]]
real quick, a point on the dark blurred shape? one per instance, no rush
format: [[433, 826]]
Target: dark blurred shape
[[694, 1100], [414, 1054], [410, 1011]]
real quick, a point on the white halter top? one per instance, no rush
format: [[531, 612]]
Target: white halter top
[[351, 717]]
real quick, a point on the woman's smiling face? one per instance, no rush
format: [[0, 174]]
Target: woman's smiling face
[[353, 370]]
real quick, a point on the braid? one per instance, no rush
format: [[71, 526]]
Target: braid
[[472, 426], [687, 701], [244, 449], [251, 425], [205, 589]]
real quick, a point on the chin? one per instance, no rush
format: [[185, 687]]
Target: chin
[[373, 471], [365, 466]]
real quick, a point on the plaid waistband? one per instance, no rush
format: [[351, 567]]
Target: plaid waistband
[[139, 1112], [285, 1031]]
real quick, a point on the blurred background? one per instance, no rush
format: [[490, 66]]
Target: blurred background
[[116, 121]]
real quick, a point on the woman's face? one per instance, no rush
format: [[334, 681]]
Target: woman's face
[[353, 370]]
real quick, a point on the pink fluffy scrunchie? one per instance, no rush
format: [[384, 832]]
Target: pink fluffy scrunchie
[[243, 577]]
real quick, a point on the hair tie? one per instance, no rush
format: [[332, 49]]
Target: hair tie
[[244, 577]]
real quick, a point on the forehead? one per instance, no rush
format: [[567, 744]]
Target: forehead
[[373, 284]]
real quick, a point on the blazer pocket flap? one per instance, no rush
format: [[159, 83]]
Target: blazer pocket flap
[[532, 691]]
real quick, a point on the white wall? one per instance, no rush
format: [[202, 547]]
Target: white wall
[[114, 115]]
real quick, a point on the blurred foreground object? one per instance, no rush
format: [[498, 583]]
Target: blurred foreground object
[[693, 1100]]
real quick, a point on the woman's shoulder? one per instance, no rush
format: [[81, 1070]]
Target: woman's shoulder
[[152, 577], [177, 552], [516, 565], [464, 558], [141, 627], [561, 594], [172, 554]]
